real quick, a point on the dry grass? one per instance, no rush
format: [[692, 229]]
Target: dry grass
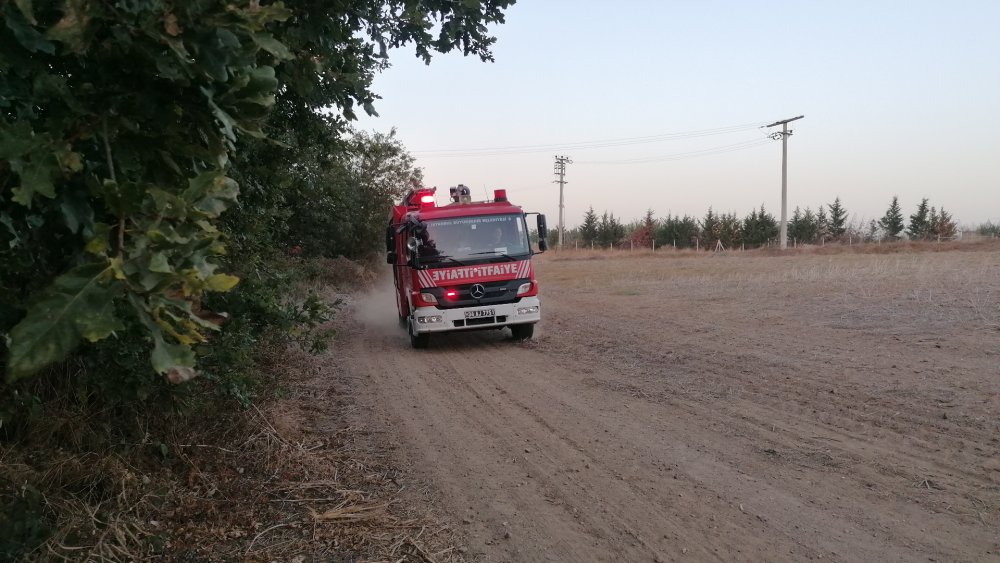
[[973, 244], [948, 287], [283, 480]]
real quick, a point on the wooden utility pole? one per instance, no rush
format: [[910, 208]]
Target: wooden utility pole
[[560, 170], [783, 135]]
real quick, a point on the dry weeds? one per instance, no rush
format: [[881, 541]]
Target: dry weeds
[[284, 480]]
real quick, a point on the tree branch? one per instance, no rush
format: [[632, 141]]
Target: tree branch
[[111, 171]]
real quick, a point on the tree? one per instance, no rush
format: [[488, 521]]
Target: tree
[[759, 227], [920, 225], [942, 225], [610, 231], [119, 125], [795, 225], [892, 222], [822, 225], [730, 230], [711, 229], [677, 231], [838, 219], [643, 233], [588, 231]]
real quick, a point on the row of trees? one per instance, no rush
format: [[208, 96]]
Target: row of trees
[[760, 228]]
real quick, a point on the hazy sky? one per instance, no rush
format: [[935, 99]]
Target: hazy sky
[[899, 97]]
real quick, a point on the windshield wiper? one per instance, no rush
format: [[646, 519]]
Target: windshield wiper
[[497, 254], [449, 258]]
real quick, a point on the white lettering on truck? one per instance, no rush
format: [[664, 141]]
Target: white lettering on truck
[[475, 271]]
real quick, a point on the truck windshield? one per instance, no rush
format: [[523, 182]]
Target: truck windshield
[[466, 239]]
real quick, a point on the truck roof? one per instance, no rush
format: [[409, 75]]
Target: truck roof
[[466, 210]]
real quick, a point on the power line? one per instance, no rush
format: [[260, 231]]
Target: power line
[[685, 155], [583, 145]]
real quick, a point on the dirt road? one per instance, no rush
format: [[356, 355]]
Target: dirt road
[[843, 408]]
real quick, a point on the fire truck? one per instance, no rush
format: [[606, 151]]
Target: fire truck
[[463, 266]]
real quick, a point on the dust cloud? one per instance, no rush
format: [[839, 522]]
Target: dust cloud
[[376, 309]]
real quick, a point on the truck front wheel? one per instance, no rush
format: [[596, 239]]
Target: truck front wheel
[[522, 332], [417, 340]]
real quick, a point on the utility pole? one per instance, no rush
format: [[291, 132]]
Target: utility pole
[[560, 171], [783, 135]]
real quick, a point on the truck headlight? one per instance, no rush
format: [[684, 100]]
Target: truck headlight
[[428, 298], [524, 288], [527, 310], [430, 319]]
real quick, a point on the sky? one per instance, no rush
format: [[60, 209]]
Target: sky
[[659, 106]]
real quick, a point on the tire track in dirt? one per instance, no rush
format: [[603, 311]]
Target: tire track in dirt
[[720, 448]]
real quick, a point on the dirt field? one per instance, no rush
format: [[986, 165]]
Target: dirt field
[[840, 407]]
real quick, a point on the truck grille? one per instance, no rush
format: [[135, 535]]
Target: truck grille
[[496, 293]]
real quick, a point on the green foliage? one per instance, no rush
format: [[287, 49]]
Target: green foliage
[[25, 522], [804, 226], [989, 229], [711, 229], [123, 123], [610, 230], [588, 231], [838, 219], [892, 222], [677, 231], [941, 225], [759, 227], [920, 225], [118, 126]]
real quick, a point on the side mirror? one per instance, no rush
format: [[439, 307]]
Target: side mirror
[[413, 245], [542, 245], [543, 231], [390, 257]]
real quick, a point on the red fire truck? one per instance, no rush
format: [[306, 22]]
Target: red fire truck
[[463, 266]]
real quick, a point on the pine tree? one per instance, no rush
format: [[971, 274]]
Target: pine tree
[[604, 234], [710, 229], [892, 222], [809, 227], [730, 230], [758, 227], [588, 231], [873, 231], [795, 225], [642, 235], [678, 231], [942, 225], [838, 219], [920, 225], [822, 225]]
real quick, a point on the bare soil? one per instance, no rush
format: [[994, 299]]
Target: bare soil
[[840, 407]]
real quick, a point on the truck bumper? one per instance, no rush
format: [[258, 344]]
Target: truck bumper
[[432, 319]]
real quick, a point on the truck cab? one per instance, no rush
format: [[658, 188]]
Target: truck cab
[[463, 266]]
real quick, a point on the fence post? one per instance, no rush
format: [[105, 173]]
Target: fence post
[[654, 245], [697, 244]]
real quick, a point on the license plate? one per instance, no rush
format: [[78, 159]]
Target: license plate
[[480, 313]]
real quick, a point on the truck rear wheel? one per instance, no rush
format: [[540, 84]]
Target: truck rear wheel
[[417, 340], [522, 332]]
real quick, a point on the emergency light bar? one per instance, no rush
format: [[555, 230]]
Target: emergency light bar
[[423, 197]]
